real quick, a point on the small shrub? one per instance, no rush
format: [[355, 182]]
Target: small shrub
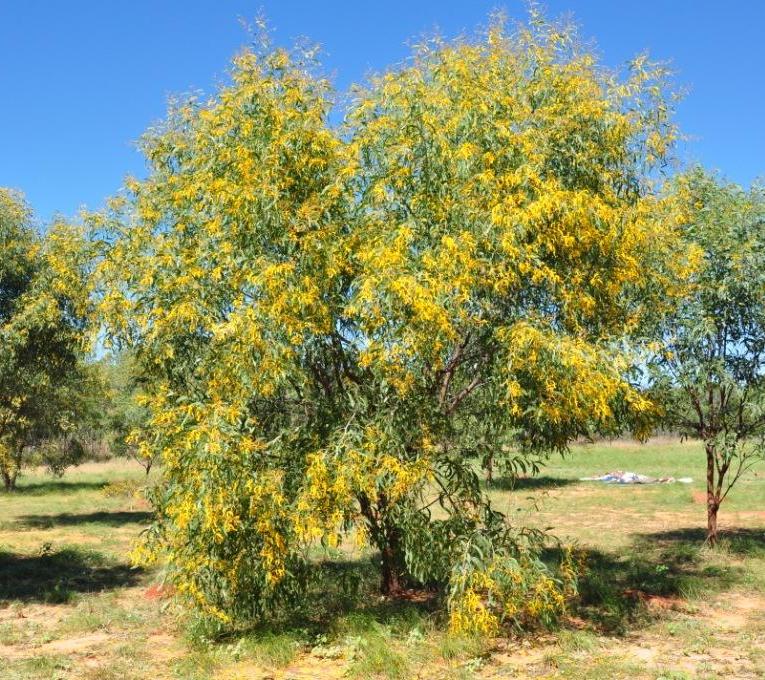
[[123, 488]]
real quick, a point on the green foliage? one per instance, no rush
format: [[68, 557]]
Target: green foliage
[[124, 421]]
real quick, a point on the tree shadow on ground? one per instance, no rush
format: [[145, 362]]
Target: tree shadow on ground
[[343, 598], [356, 602], [54, 486], [616, 590], [510, 483], [113, 519], [56, 577], [738, 541]]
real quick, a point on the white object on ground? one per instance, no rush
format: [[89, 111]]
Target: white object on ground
[[622, 477]]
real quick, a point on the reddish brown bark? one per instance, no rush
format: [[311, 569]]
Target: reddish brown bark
[[713, 497]]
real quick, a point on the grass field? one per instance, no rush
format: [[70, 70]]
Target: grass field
[[655, 602]]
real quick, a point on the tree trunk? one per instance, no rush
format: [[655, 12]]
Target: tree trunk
[[9, 480], [386, 537], [391, 578], [712, 524], [713, 500]]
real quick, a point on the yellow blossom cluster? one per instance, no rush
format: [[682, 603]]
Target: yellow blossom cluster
[[518, 590]]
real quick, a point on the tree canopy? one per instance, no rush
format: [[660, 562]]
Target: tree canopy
[[335, 322]]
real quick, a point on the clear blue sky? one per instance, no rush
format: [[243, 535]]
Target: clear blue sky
[[81, 80]]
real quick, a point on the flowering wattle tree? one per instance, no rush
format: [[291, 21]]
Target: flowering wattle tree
[[338, 322]]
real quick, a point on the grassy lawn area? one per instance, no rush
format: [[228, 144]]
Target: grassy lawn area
[[655, 602]]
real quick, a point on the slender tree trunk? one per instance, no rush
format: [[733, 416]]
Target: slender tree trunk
[[713, 500], [490, 468], [712, 524], [10, 468], [9, 480]]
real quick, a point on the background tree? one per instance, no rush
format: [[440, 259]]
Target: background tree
[[124, 421], [43, 298], [332, 325], [710, 370]]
